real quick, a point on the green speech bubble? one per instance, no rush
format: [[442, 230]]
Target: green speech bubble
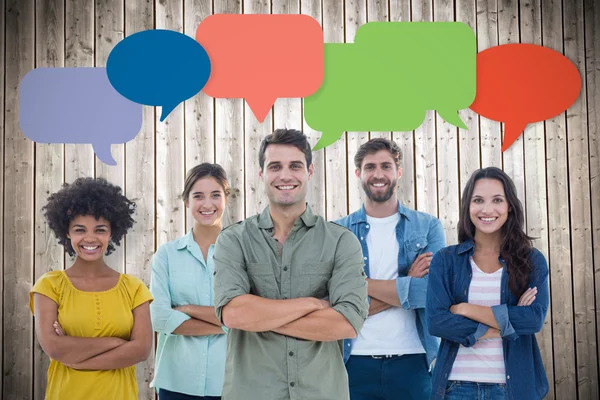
[[391, 75]]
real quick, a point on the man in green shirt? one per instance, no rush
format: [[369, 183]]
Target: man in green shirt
[[290, 286]]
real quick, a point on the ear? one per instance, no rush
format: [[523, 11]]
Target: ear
[[68, 236], [357, 173], [260, 173], [399, 172], [311, 170]]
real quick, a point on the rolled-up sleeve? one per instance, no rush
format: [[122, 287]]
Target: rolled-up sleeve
[[441, 322], [526, 320], [348, 286], [412, 292], [231, 277], [164, 318]]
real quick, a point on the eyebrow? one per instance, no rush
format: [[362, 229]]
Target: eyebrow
[[279, 162], [496, 195], [214, 191], [97, 226]]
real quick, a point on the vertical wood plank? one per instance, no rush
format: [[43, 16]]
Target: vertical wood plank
[[336, 154], [170, 139], [580, 213], [508, 32], [355, 16], [468, 141], [229, 133], [400, 12], [109, 17], [199, 110], [2, 104], [49, 170], [140, 184], [425, 138], [487, 36], [79, 52], [558, 224], [536, 199], [592, 58], [18, 201], [316, 190], [253, 134], [447, 151]]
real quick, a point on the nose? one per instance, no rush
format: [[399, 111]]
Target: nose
[[285, 174]]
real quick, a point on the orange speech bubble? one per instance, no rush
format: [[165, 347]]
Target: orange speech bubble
[[519, 84], [262, 57]]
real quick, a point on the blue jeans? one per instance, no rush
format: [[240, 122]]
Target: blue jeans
[[399, 377], [460, 390], [168, 395]]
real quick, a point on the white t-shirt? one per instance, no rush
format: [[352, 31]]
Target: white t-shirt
[[393, 331]]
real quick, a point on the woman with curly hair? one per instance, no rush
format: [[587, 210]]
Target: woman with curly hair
[[485, 293], [190, 355], [93, 322]]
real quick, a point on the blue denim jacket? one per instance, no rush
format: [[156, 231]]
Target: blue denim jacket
[[417, 233], [449, 280]]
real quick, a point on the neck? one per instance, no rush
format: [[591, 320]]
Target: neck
[[206, 234], [90, 268], [381, 210], [488, 242], [285, 217]]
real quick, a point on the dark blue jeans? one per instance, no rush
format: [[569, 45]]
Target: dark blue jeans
[[400, 377], [460, 390], [168, 395]]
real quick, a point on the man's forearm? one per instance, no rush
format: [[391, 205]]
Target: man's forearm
[[376, 306], [322, 326], [203, 313], [384, 290], [196, 327], [256, 314]]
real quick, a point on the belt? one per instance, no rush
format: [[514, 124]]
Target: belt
[[387, 356]]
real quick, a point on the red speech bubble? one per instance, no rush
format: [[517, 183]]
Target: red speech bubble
[[519, 84], [262, 57]]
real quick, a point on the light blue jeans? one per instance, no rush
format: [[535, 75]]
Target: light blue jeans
[[460, 390]]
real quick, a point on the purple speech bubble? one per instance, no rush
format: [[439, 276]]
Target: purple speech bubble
[[76, 106]]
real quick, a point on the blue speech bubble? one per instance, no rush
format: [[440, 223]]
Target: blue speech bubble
[[158, 68], [76, 106]]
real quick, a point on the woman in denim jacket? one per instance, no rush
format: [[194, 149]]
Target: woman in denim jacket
[[486, 299]]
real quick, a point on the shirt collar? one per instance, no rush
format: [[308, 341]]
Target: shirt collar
[[185, 241], [266, 222], [362, 213]]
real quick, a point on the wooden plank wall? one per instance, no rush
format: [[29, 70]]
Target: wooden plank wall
[[555, 164]]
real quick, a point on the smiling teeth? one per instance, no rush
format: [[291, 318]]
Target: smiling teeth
[[379, 184], [90, 248], [207, 212], [488, 219], [285, 187]]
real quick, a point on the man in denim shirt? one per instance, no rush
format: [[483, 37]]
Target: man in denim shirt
[[392, 356]]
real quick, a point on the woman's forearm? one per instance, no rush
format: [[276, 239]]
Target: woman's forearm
[[123, 356], [196, 327], [73, 349], [482, 314]]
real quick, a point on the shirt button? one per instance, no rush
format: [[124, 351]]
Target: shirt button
[[285, 268], [292, 384], [365, 258], [361, 238], [367, 226], [291, 353], [507, 376]]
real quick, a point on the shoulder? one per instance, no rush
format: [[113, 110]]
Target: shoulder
[[131, 282], [448, 252], [238, 228], [347, 220], [420, 216], [52, 279]]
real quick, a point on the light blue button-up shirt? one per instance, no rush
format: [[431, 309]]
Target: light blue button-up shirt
[[194, 365]]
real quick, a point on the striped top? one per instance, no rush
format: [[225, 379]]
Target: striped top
[[484, 361]]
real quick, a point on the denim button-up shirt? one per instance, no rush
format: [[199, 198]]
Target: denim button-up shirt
[[417, 233], [449, 280], [194, 365]]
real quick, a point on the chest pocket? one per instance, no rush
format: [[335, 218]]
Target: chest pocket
[[414, 246], [185, 282], [262, 280], [315, 279]]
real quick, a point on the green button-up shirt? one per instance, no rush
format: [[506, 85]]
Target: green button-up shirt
[[318, 259]]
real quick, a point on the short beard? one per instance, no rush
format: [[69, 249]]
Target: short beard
[[380, 198]]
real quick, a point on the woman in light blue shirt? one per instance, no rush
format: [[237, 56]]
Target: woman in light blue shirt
[[190, 356]]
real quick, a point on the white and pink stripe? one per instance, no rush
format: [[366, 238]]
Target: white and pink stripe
[[484, 361]]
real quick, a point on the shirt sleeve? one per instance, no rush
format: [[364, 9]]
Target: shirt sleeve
[[50, 285], [164, 318], [142, 294], [442, 323], [412, 292], [348, 286], [231, 277], [526, 320]]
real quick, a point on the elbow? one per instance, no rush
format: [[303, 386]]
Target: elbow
[[232, 317]]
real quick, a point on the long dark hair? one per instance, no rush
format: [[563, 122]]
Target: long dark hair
[[516, 245]]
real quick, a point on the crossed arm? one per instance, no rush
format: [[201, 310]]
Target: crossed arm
[[305, 318], [102, 353]]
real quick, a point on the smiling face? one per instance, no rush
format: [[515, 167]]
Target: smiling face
[[285, 175], [207, 201], [89, 236], [379, 176], [488, 208]]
